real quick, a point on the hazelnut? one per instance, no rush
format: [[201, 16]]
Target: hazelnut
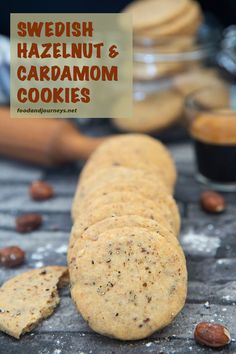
[[212, 334], [11, 256], [212, 202], [28, 222], [40, 190]]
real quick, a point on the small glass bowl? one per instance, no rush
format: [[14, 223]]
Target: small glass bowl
[[211, 120]]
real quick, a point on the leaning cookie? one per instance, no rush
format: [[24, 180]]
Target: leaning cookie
[[154, 112], [146, 209], [79, 234], [186, 23], [126, 196], [197, 79], [135, 151], [114, 216], [116, 174], [129, 283], [149, 13], [164, 202], [30, 297]]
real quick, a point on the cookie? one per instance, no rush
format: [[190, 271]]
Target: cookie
[[163, 202], [129, 283], [133, 213], [146, 208], [187, 23], [80, 233], [219, 98], [111, 198], [30, 297], [116, 174], [135, 151], [155, 12], [127, 269], [126, 221], [190, 82], [154, 112]]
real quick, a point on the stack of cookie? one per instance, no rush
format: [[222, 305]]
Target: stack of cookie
[[161, 109], [164, 36], [157, 18], [127, 269], [155, 112], [198, 80]]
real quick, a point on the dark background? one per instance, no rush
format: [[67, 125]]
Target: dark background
[[224, 10]]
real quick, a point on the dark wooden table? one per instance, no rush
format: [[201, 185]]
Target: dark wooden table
[[209, 243]]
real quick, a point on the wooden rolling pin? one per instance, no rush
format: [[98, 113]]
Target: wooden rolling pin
[[44, 141]]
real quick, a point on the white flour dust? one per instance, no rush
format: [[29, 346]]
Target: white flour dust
[[199, 244]]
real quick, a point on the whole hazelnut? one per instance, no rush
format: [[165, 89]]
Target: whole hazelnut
[[11, 256]]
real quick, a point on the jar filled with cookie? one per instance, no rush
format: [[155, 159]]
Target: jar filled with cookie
[[174, 50], [211, 118]]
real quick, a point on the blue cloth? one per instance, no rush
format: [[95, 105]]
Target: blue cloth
[[4, 70]]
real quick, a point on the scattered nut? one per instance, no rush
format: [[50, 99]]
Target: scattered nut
[[40, 190], [11, 256], [212, 202], [212, 334], [28, 222]]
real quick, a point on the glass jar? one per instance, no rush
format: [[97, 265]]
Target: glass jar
[[165, 71], [211, 117]]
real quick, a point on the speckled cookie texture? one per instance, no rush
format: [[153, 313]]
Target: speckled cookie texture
[[132, 206], [80, 233], [130, 283], [137, 151], [103, 201], [127, 270], [164, 202], [122, 179], [114, 215], [30, 297]]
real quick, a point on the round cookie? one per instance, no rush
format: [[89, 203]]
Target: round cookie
[[139, 207], [146, 208], [114, 197], [129, 283], [198, 79], [163, 202], [117, 212], [80, 232], [186, 23], [153, 113], [116, 174], [135, 151], [126, 221], [154, 12]]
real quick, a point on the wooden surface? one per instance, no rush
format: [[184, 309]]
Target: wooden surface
[[209, 243]]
